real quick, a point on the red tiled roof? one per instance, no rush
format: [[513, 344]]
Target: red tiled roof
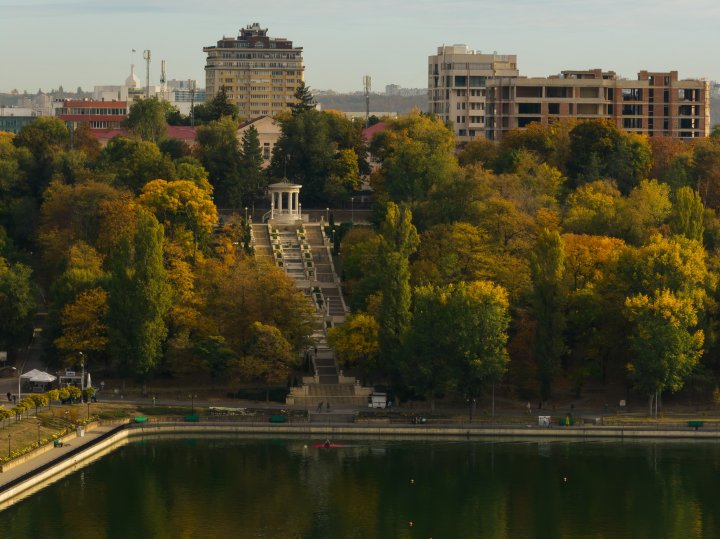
[[369, 132], [95, 104], [180, 132]]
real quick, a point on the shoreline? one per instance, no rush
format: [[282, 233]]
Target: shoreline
[[44, 468]]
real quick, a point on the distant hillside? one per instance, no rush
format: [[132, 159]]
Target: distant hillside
[[383, 103]]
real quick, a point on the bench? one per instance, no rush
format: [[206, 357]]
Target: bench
[[695, 424], [192, 418], [140, 419], [277, 418]]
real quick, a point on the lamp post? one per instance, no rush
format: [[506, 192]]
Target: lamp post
[[327, 215], [192, 403], [19, 371], [352, 210], [246, 208], [82, 368], [8, 445]]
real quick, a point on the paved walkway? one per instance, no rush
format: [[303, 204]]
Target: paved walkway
[[47, 457]]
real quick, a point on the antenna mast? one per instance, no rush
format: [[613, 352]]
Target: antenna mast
[[146, 56], [367, 84], [163, 86]]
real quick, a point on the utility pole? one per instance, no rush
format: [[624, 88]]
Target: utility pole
[[367, 82]]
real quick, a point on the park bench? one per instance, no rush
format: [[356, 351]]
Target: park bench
[[192, 418], [695, 424], [277, 418], [141, 419]]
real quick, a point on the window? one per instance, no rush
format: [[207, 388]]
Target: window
[[553, 108], [266, 151]]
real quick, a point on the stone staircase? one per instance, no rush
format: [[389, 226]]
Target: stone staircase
[[303, 252]]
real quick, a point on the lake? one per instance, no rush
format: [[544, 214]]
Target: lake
[[288, 488]]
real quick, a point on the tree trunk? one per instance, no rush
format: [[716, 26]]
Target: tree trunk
[[651, 399]]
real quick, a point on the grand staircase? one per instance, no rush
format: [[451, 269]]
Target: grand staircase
[[303, 251]]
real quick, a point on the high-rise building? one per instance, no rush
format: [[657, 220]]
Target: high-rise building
[[259, 73], [457, 77], [656, 104]]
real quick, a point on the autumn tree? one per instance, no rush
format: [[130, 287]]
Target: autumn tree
[[83, 324], [17, 304], [688, 214], [186, 211], [355, 342]]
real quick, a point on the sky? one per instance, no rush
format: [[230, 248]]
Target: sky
[[48, 43]]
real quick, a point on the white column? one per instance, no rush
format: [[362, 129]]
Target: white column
[[272, 205]]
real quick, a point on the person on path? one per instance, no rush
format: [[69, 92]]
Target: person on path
[[320, 405], [327, 406], [529, 408]]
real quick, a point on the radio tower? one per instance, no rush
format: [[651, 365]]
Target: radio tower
[[367, 84], [146, 56]]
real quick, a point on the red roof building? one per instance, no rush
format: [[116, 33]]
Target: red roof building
[[95, 114]]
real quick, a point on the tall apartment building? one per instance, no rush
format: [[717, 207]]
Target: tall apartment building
[[656, 104], [457, 78], [260, 73]]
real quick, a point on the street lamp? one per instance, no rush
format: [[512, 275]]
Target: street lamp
[[19, 371], [327, 215], [352, 210], [8, 445], [246, 216], [82, 367], [192, 403]]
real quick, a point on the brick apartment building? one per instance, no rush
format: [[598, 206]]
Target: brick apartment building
[[656, 104]]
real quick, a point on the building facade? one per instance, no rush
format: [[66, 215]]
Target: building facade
[[656, 104], [94, 114], [457, 78], [269, 132], [259, 73], [13, 119]]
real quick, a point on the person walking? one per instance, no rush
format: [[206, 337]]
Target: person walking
[[327, 406], [320, 405]]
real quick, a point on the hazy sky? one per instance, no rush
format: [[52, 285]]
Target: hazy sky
[[47, 43]]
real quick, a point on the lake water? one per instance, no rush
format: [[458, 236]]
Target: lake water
[[287, 488]]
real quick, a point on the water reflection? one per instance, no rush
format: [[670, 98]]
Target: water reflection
[[233, 487]]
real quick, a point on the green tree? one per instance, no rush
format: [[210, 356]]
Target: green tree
[[217, 108], [646, 208], [399, 241], [219, 152], [599, 150], [133, 163], [304, 100], [139, 298], [687, 214], [547, 266], [148, 119], [251, 166], [311, 151], [17, 304], [665, 344], [417, 155]]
